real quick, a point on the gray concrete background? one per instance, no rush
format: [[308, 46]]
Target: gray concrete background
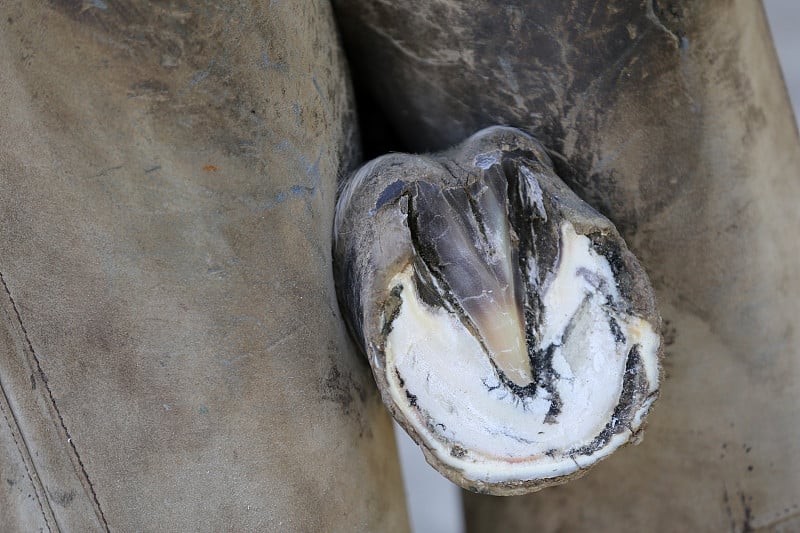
[[435, 503], [784, 19]]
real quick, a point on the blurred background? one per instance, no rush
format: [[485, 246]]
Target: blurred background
[[435, 503]]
